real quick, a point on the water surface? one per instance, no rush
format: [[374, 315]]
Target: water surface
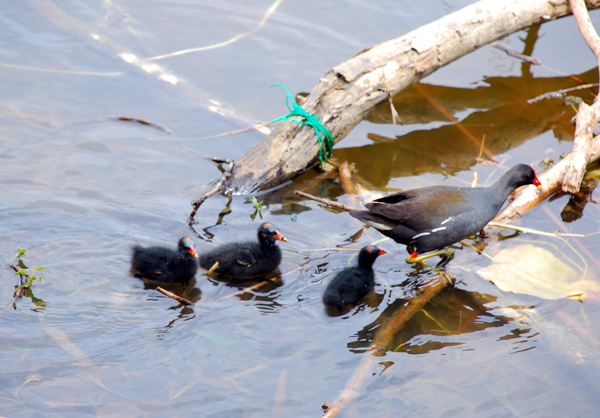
[[78, 190]]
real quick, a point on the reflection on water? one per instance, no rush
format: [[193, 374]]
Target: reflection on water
[[504, 122], [440, 324], [79, 190]]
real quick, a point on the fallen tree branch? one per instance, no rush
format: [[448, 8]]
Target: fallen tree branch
[[587, 116], [552, 179], [218, 187], [350, 91]]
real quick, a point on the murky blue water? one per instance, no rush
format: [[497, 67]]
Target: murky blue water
[[78, 191]]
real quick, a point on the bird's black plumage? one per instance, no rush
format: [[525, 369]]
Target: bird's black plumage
[[353, 283], [434, 217], [163, 264], [247, 259]]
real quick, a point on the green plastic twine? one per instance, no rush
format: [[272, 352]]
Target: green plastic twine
[[326, 145]]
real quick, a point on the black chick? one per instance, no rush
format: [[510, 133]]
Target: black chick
[[247, 259], [350, 285], [163, 264]]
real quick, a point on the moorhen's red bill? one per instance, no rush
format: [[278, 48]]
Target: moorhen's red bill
[[247, 259], [350, 285], [435, 217], [165, 264]]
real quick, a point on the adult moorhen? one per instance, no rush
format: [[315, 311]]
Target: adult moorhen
[[247, 259], [434, 217], [165, 264], [353, 283]]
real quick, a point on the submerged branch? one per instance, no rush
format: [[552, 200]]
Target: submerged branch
[[383, 340], [218, 187]]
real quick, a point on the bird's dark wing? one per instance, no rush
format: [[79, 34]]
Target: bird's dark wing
[[423, 209], [245, 258]]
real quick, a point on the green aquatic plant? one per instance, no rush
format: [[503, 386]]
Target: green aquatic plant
[[27, 276], [258, 205]]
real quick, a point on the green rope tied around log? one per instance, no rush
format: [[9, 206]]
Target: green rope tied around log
[[325, 138]]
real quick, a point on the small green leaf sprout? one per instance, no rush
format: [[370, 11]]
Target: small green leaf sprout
[[28, 276], [258, 205], [25, 272]]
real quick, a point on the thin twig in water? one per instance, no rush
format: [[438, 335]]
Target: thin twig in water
[[324, 201], [511, 52], [481, 148], [179, 299], [332, 249], [248, 289], [44, 70], [19, 291], [534, 231], [156, 125], [261, 128], [213, 268], [142, 121], [475, 179], [559, 94], [218, 187], [451, 118], [225, 43]]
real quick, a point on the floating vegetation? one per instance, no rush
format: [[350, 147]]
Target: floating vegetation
[[27, 276]]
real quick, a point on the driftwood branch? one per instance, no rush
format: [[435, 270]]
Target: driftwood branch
[[350, 91], [552, 179], [587, 116], [585, 26], [218, 187]]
